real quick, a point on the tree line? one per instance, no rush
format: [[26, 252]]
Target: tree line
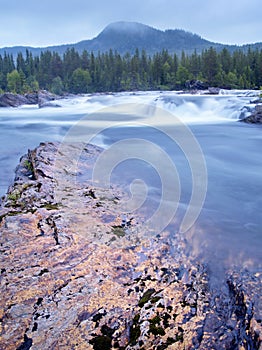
[[82, 73]]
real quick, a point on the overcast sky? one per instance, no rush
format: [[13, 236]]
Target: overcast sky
[[50, 22]]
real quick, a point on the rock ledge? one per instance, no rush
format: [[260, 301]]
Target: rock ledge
[[41, 98], [75, 274]]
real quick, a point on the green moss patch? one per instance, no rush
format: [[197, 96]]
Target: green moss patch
[[146, 297], [50, 206], [13, 196], [119, 231], [135, 330], [101, 342], [28, 165]]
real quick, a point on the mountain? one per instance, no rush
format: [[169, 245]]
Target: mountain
[[127, 36]]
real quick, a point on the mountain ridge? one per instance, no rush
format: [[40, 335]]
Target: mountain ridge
[[126, 37]]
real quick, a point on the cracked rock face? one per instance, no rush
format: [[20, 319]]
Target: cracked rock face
[[76, 275]]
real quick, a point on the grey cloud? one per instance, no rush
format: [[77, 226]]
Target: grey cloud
[[46, 22]]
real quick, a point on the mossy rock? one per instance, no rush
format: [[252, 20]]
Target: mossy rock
[[50, 206], [156, 330], [119, 231], [155, 327], [14, 196], [135, 330], [28, 165], [101, 342], [155, 300], [146, 297]]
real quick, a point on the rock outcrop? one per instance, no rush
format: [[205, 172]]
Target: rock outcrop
[[196, 85], [43, 98], [32, 98], [213, 90], [77, 274], [12, 100], [255, 117]]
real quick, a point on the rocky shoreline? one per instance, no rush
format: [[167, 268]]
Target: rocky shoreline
[[76, 274], [42, 98]]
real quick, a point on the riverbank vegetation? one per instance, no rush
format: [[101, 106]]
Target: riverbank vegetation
[[85, 72]]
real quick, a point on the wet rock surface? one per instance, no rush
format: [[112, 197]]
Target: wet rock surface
[[76, 274], [256, 115], [46, 98]]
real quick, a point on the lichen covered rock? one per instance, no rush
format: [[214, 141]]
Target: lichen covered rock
[[76, 275]]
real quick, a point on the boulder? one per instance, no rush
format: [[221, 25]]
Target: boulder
[[44, 98], [12, 100], [50, 104], [213, 90], [258, 100], [196, 85], [258, 109], [32, 98], [255, 117]]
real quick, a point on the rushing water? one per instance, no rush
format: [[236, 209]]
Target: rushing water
[[228, 230]]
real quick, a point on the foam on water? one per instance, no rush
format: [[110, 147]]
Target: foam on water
[[199, 108], [24, 127], [230, 215], [202, 108]]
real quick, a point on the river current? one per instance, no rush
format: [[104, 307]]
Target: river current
[[194, 166]]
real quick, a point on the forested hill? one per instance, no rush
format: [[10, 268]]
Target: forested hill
[[128, 36]]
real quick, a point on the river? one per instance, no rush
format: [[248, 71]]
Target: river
[[193, 167]]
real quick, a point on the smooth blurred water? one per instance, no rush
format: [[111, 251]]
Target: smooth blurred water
[[229, 229]]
